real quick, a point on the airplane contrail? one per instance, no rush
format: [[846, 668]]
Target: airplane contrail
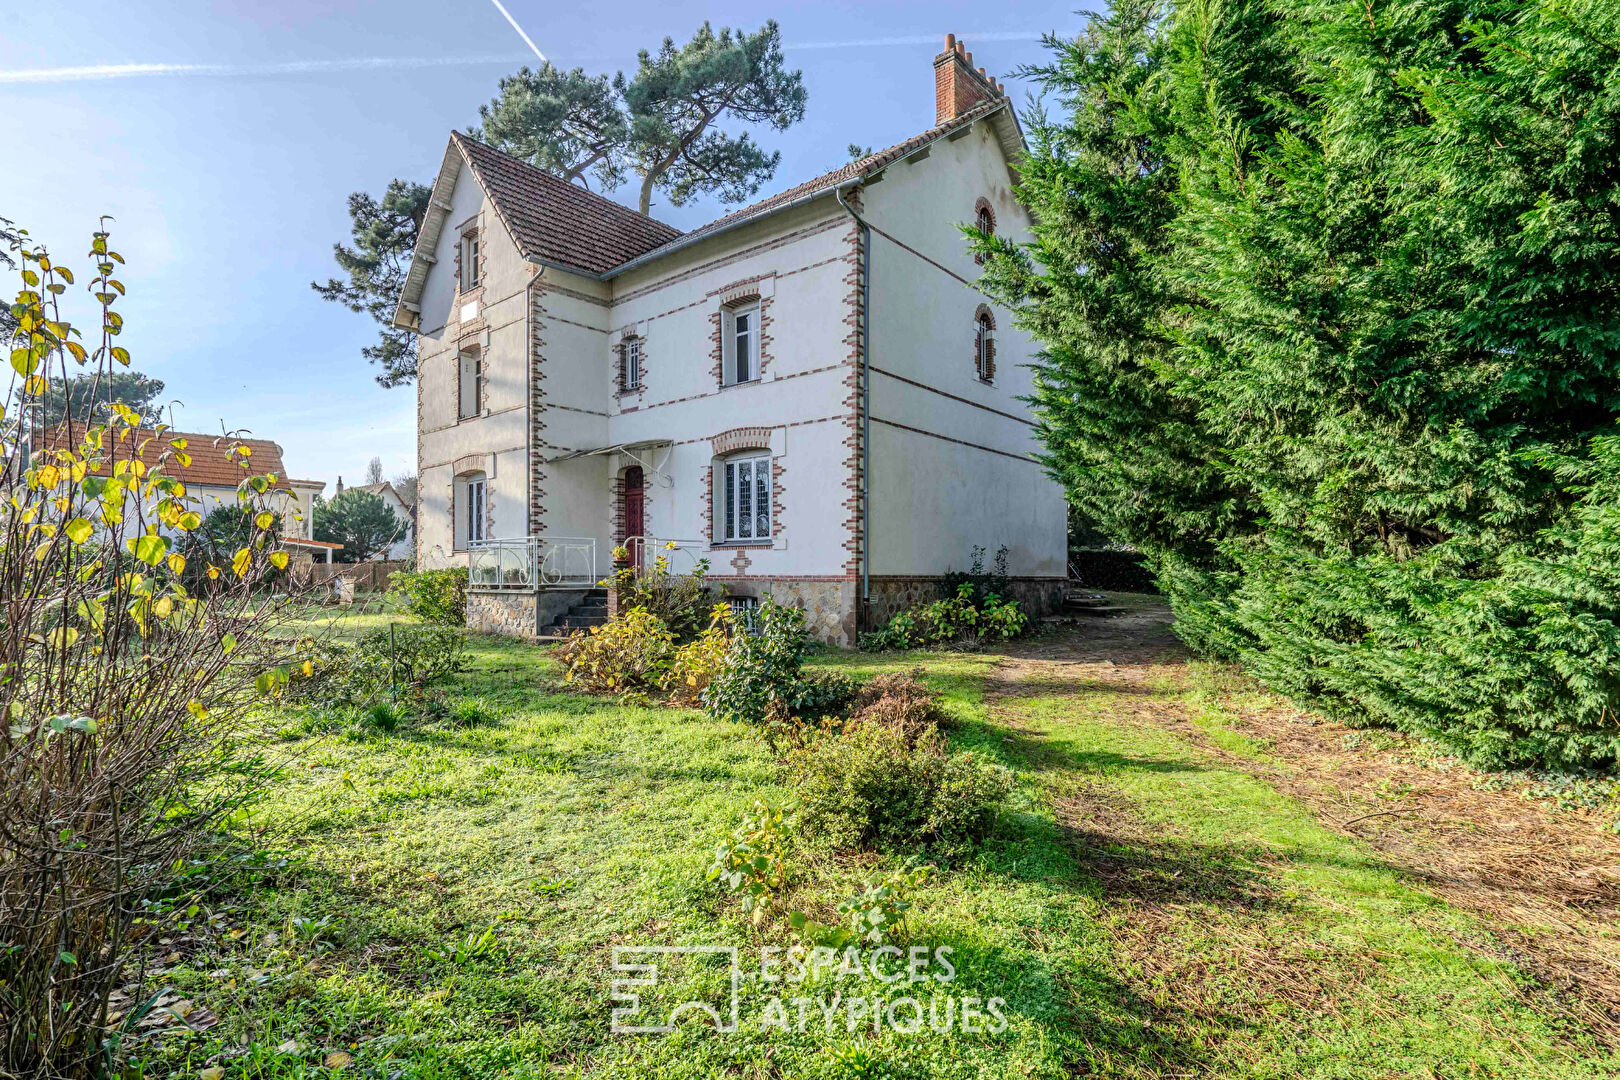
[[500, 7], [289, 67], [380, 63]]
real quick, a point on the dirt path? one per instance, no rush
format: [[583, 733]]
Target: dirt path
[[1545, 881]]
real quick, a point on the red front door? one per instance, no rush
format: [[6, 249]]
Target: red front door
[[635, 519]]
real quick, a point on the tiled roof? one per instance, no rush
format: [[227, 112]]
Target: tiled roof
[[557, 222], [829, 180], [209, 465]]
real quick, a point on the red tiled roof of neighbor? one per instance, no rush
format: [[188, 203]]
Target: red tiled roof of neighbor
[[209, 465], [829, 180], [558, 222]]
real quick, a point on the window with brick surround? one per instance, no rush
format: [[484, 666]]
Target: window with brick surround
[[471, 509], [469, 384], [743, 486], [984, 219], [630, 364], [740, 327], [471, 267], [984, 346]]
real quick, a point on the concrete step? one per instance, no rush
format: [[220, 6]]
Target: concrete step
[[579, 622], [591, 604], [1090, 612]]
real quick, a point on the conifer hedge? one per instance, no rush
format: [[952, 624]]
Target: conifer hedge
[[1329, 296]]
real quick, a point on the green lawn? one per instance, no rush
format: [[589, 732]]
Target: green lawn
[[1142, 910]]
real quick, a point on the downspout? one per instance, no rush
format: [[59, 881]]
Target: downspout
[[866, 402]]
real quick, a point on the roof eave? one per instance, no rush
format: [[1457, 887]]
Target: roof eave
[[408, 309], [865, 177]]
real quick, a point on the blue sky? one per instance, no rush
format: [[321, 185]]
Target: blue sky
[[227, 159]]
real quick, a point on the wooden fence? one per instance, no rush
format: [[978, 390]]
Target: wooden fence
[[367, 576]]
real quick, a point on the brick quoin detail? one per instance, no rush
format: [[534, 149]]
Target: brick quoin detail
[[537, 411], [852, 401]]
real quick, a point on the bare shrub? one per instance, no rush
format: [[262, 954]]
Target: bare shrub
[[124, 691], [901, 702]]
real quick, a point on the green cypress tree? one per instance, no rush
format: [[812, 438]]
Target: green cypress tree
[[1384, 328]]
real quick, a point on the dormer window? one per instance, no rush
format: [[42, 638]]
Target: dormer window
[[470, 266]]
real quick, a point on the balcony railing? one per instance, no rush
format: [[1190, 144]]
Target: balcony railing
[[533, 562], [682, 556]]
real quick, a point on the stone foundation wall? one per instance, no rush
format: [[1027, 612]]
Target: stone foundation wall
[[892, 595], [829, 606], [510, 614]]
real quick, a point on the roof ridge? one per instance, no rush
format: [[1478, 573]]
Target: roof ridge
[[823, 181], [552, 178]]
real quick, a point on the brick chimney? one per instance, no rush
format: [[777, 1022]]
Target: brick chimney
[[957, 87]]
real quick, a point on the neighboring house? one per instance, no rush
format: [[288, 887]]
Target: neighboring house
[[212, 477], [810, 393], [404, 513]]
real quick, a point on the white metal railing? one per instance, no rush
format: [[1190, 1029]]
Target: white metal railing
[[682, 556], [533, 562]]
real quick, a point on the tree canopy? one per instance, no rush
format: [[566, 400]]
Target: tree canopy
[[1329, 297], [86, 397], [383, 233], [359, 520], [660, 126]]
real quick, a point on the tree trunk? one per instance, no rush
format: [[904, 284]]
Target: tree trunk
[[646, 193]]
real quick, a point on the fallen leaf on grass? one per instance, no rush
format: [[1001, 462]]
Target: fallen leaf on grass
[[337, 1059], [215, 1073]]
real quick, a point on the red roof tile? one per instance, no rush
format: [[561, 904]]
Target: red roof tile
[[209, 465], [558, 222]]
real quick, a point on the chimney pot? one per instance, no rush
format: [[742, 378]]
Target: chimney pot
[[957, 87]]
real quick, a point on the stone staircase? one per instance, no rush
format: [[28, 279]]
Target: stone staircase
[[1079, 603], [589, 612]]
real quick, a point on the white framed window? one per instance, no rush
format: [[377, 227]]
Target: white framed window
[[741, 345], [471, 269], [470, 384], [473, 509], [745, 498], [630, 364]]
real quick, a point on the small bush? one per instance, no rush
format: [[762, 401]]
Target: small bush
[[984, 583], [900, 702], [682, 602], [761, 681], [434, 596], [957, 621], [874, 788], [700, 660], [754, 861], [634, 652], [402, 661]]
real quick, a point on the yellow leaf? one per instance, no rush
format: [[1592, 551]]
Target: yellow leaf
[[189, 520], [309, 668], [177, 564], [63, 637], [279, 559], [212, 1073], [265, 519], [78, 530], [213, 572], [163, 607], [240, 563]]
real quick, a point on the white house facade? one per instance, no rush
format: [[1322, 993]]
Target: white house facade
[[404, 542], [810, 393]]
